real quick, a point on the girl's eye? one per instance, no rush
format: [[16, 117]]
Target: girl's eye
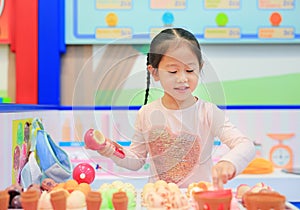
[[172, 72], [190, 70]]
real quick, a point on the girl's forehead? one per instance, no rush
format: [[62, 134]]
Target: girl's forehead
[[181, 53]]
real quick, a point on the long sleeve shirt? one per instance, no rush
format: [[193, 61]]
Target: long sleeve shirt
[[179, 143]]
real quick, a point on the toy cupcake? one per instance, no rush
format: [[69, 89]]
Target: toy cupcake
[[264, 200]]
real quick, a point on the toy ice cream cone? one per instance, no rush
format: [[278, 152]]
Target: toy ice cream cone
[[264, 201], [29, 200], [58, 200], [93, 200], [213, 200], [120, 201], [4, 200]]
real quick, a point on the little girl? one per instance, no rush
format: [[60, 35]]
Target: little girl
[[176, 132]]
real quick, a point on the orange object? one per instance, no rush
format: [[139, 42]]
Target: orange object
[[58, 200], [259, 166], [275, 19], [93, 200], [4, 200], [264, 201], [120, 201], [29, 200], [71, 185], [281, 155], [84, 187], [213, 200]]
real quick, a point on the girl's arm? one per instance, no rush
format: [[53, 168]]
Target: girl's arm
[[242, 149]]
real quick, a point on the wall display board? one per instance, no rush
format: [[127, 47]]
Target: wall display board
[[212, 21]]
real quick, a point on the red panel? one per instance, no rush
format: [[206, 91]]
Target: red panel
[[26, 41], [12, 25]]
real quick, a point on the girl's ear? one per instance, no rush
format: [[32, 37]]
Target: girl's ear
[[153, 72]]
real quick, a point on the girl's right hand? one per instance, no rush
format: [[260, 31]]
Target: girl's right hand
[[109, 148], [95, 140]]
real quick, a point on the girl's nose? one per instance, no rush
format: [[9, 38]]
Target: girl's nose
[[182, 77]]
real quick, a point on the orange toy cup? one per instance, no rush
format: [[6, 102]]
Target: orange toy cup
[[93, 200], [120, 201], [58, 200], [29, 200], [213, 200], [4, 200]]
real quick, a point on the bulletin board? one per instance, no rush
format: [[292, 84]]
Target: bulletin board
[[211, 21]]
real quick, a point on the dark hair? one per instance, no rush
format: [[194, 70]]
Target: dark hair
[[163, 41]]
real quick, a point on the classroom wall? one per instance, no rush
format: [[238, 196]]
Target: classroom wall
[[248, 74]]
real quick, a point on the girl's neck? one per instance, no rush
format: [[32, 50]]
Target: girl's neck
[[171, 103]]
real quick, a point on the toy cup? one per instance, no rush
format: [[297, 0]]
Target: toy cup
[[58, 200], [93, 200], [213, 200], [29, 200], [120, 201], [4, 200]]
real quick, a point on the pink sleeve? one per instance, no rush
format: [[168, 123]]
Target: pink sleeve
[[136, 154], [242, 149]]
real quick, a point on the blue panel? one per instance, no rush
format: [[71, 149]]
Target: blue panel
[[50, 45]]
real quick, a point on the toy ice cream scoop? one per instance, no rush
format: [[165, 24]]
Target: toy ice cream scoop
[[76, 200], [95, 140]]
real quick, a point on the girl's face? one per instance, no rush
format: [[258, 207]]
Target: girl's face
[[178, 73]]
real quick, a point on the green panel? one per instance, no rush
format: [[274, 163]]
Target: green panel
[[275, 90]]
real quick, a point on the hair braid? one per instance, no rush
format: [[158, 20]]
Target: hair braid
[[148, 82]]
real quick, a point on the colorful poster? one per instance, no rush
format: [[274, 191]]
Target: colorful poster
[[211, 21], [20, 146]]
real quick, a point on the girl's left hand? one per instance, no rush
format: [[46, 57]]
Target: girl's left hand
[[222, 172]]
